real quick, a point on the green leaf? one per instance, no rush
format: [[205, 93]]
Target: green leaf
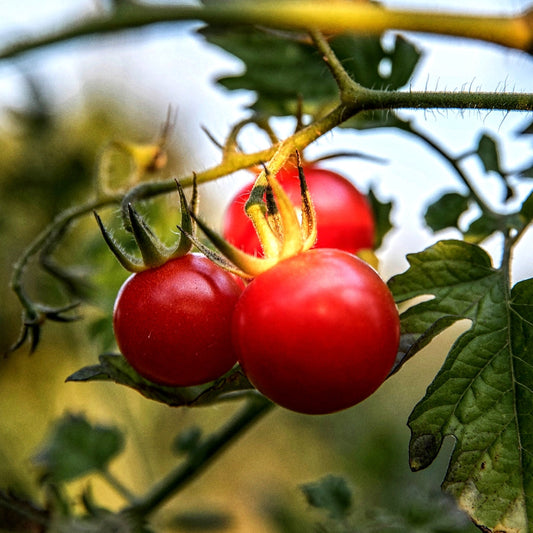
[[484, 391], [278, 69], [115, 368], [364, 58], [187, 440], [481, 228], [75, 448], [330, 493], [381, 212], [488, 152], [282, 67], [445, 212]]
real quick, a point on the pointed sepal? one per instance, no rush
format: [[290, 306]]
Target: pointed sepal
[[248, 266], [257, 211], [292, 242], [152, 250], [126, 260], [308, 224], [187, 223]]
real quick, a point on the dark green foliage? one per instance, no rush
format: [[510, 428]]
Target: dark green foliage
[[331, 493], [293, 69], [76, 448], [488, 153], [482, 394], [382, 212], [445, 212]]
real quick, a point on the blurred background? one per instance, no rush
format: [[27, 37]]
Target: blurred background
[[60, 106]]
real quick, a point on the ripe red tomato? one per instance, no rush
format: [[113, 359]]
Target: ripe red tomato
[[173, 323], [318, 332], [344, 217]]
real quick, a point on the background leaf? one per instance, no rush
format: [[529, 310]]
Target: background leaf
[[382, 211], [480, 395], [75, 448], [481, 228], [330, 493], [488, 152], [283, 67], [445, 212]]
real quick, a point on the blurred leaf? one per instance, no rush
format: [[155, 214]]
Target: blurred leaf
[[481, 228], [282, 67], [279, 69], [369, 63], [331, 493], [381, 212], [445, 212], [187, 440], [488, 152], [483, 393], [115, 368], [100, 330], [75, 448]]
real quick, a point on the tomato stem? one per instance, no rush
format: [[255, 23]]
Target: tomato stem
[[201, 456]]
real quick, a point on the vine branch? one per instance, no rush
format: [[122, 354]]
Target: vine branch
[[354, 99], [201, 456], [324, 15]]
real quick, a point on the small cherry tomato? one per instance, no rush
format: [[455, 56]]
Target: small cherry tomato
[[344, 216], [318, 332], [173, 323]]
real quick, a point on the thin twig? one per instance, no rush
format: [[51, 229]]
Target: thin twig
[[201, 456], [331, 17]]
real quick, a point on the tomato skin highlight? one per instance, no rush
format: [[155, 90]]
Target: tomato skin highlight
[[344, 216], [318, 332], [173, 323]]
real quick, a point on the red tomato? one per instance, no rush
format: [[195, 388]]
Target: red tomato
[[318, 332], [173, 323], [344, 217]]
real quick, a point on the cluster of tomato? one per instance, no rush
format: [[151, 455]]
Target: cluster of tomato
[[316, 333]]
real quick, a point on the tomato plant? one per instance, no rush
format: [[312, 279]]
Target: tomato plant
[[318, 332], [344, 216], [315, 330], [172, 323]]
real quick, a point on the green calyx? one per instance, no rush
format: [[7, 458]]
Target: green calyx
[[153, 252], [276, 222]]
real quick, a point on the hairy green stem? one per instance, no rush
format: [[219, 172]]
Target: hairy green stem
[[347, 86], [332, 17], [446, 100], [201, 456]]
